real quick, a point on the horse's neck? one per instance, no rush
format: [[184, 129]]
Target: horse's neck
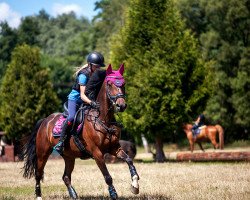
[[106, 113]]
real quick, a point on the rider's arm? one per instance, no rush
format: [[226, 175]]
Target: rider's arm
[[197, 121], [82, 81], [82, 94]]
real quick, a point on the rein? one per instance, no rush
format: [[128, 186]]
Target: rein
[[112, 99]]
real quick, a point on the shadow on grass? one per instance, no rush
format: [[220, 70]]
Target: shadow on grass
[[148, 197]]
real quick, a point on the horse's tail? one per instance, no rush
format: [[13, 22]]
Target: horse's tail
[[221, 135], [29, 153]]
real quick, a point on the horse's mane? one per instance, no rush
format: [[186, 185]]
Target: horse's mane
[[94, 84]]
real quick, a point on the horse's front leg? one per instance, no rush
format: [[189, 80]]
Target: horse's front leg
[[134, 176], [99, 159]]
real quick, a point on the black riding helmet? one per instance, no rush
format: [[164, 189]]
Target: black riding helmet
[[96, 58]]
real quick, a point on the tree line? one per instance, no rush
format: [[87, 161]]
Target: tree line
[[182, 58]]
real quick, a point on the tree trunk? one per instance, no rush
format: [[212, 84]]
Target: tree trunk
[[160, 156], [145, 143]]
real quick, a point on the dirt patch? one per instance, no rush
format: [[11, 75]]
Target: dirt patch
[[171, 180]]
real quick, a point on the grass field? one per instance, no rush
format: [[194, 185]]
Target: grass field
[[171, 180]]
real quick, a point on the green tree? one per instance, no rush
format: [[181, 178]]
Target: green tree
[[64, 36], [26, 93], [60, 74], [28, 31], [106, 23], [163, 71], [223, 29], [8, 41]]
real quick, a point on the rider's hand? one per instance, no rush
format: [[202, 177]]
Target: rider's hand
[[95, 104]]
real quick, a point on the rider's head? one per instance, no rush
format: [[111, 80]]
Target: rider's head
[[95, 60]]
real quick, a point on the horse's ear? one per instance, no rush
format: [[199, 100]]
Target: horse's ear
[[121, 69], [109, 70]]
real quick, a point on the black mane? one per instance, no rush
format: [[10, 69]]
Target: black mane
[[94, 84]]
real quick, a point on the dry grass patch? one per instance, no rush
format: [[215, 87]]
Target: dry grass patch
[[157, 181]]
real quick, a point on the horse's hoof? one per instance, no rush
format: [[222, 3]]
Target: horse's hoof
[[114, 197], [39, 198], [72, 193], [112, 193], [134, 190]]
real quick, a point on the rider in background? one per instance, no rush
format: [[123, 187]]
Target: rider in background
[[200, 121], [77, 95]]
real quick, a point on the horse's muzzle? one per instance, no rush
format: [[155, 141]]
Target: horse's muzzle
[[120, 107]]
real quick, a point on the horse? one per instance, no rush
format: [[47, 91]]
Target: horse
[[207, 133], [100, 135]]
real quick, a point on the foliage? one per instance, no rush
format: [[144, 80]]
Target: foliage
[[8, 39], [26, 93], [107, 23], [28, 31], [59, 74], [64, 36], [223, 29], [163, 71]]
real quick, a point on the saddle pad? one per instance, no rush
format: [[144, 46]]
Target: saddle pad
[[58, 126], [197, 131], [201, 127]]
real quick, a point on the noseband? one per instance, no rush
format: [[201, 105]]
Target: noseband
[[113, 98]]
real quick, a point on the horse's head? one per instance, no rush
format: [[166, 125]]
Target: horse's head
[[115, 88], [186, 127]]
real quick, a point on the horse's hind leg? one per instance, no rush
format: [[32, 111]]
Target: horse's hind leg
[[98, 156], [215, 145], [134, 176], [42, 159], [69, 166]]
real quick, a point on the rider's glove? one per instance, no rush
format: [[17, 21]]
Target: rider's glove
[[95, 105]]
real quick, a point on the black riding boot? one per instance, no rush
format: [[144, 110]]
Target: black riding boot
[[65, 130]]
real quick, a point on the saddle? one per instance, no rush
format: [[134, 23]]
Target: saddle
[[78, 121], [198, 130], [79, 116]]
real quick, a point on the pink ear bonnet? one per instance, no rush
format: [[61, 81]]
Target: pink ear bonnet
[[114, 76]]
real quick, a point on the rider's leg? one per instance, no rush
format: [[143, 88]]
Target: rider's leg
[[75, 128], [67, 126]]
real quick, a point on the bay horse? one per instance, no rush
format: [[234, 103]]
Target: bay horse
[[100, 134], [207, 133]]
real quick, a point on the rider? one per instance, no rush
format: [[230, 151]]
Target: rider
[[200, 121], [77, 96]]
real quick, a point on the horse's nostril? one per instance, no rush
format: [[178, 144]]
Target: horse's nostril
[[121, 107]]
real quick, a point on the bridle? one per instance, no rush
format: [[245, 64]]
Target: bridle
[[113, 98], [114, 106]]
